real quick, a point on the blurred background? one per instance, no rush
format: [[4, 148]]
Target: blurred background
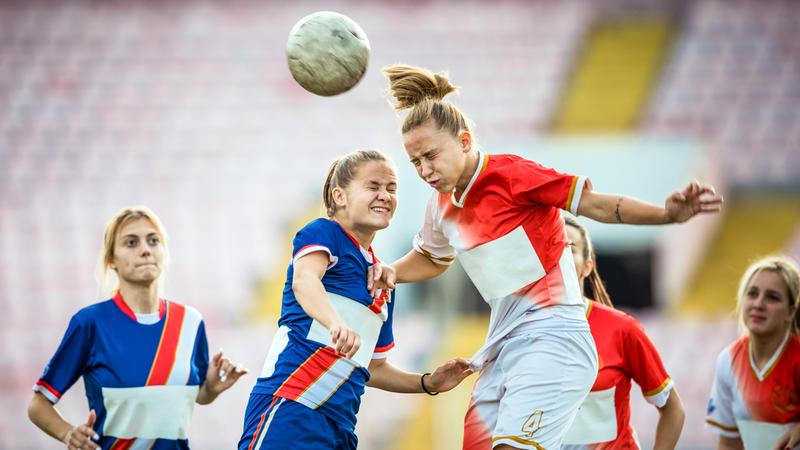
[[188, 107]]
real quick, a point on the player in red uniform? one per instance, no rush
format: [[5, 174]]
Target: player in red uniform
[[755, 399], [499, 214], [625, 353]]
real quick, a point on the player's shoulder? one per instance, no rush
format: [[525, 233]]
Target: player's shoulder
[[320, 224], [611, 314], [94, 311], [191, 311]]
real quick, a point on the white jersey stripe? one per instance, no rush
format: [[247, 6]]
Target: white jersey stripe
[[183, 353]]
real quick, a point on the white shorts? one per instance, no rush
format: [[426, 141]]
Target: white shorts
[[528, 397]]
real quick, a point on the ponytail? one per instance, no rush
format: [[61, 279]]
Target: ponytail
[[423, 92]]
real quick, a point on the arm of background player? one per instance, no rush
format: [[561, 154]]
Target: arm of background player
[[730, 443], [679, 207], [310, 293], [44, 415], [384, 375], [670, 422]]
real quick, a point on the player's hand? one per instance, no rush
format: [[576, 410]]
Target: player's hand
[[222, 373], [448, 375], [347, 341], [790, 439], [80, 437], [380, 276], [694, 199]]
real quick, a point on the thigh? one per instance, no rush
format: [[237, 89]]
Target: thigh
[[545, 379], [279, 424], [481, 415]]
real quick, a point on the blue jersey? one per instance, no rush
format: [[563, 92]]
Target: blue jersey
[[302, 364], [141, 379]]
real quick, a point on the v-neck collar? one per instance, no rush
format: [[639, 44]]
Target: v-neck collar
[[483, 160], [126, 309], [762, 374], [368, 254]]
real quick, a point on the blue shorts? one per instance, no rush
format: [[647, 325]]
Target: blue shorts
[[276, 423]]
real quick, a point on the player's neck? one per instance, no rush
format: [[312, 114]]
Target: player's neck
[[764, 347], [469, 170], [142, 299], [364, 237]]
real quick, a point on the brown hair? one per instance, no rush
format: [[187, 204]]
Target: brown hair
[[342, 172], [112, 230], [596, 287], [784, 266], [423, 92]]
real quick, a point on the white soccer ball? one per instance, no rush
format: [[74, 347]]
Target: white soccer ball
[[327, 53]]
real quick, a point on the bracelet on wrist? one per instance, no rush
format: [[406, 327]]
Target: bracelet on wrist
[[422, 383]]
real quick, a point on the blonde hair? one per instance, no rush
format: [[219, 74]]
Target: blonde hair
[[788, 270], [596, 288], [110, 237], [342, 172], [423, 92]]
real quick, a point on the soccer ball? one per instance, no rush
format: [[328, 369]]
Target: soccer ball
[[327, 53]]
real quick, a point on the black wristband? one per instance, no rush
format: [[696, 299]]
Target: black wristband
[[422, 383]]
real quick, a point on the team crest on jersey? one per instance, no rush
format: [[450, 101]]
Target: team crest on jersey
[[785, 399], [711, 407]]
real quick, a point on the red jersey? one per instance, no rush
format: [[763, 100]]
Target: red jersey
[[756, 405], [625, 353], [507, 232]]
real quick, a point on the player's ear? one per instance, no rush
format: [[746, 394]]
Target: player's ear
[[339, 196], [465, 141], [588, 267]]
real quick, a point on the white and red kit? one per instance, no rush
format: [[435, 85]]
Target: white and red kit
[[756, 405], [507, 232], [625, 353]]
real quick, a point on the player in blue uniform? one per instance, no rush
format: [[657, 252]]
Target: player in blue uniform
[[333, 336], [144, 360]]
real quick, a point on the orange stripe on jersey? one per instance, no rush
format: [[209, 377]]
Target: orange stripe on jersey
[[658, 390], [167, 346], [307, 373], [519, 440], [721, 426], [122, 444], [571, 193]]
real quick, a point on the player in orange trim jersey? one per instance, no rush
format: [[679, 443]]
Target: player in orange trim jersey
[[499, 214], [625, 353], [144, 360], [755, 399]]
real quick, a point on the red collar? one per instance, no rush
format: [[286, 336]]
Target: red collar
[[120, 302]]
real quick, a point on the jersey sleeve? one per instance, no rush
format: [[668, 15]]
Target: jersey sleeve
[[69, 361], [200, 355], [534, 183], [317, 236], [431, 240], [385, 342], [645, 366], [719, 416]]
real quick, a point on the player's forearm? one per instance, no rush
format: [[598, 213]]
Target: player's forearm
[[44, 415], [415, 266], [310, 293], [670, 423], [205, 395], [387, 377], [614, 208]]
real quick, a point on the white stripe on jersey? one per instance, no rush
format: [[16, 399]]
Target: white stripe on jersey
[[501, 267], [596, 420], [359, 318], [182, 367], [149, 412]]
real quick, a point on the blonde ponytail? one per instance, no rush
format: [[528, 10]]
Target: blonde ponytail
[[423, 92]]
